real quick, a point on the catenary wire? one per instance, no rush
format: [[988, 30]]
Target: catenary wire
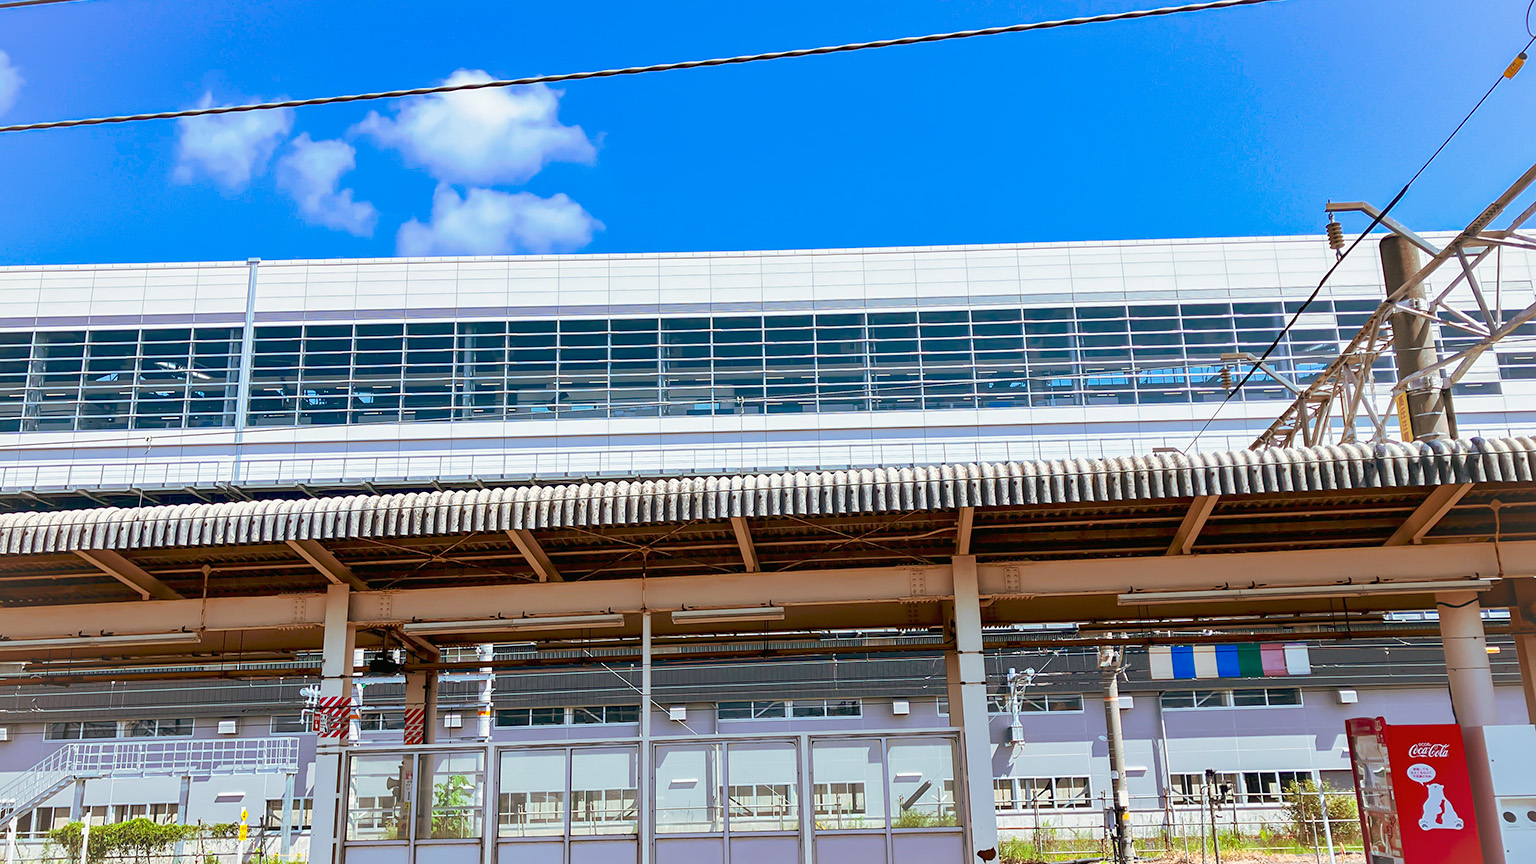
[[1352, 246], [16, 4], [639, 70]]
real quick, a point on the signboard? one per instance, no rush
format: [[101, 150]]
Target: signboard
[[1404, 417], [1414, 793]]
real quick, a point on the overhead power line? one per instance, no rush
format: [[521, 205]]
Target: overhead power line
[[634, 70], [13, 4], [1508, 73]]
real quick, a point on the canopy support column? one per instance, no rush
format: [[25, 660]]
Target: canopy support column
[[966, 676], [332, 721], [421, 701], [1472, 698], [1522, 617], [643, 786]]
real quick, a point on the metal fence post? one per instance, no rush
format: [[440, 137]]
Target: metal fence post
[[1215, 830], [1034, 804], [183, 804], [285, 841], [1201, 819], [1322, 798]]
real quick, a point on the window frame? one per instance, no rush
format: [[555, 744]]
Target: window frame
[[790, 709]]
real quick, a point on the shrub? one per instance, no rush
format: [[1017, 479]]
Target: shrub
[[1304, 812], [139, 839], [450, 816], [922, 819]]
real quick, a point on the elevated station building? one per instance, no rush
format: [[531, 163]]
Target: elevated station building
[[756, 538]]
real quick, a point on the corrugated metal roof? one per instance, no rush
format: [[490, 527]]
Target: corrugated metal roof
[[821, 493]]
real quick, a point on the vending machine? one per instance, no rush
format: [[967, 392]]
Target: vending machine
[[1414, 793]]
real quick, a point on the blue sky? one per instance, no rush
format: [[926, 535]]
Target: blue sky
[[1233, 122]]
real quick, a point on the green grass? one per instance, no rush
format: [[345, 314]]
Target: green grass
[[1048, 844]]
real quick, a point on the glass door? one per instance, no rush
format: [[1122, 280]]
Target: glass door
[[763, 801], [567, 805], [415, 808], [886, 799], [689, 804]]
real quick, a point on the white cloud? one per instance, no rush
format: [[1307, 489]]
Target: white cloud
[[488, 222], [10, 83], [479, 137], [311, 172], [228, 149]]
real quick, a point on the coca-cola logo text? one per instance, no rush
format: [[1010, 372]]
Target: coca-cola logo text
[[1429, 751]]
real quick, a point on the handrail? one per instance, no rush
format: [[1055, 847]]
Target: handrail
[[149, 757]]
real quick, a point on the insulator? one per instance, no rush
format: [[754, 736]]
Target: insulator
[[1335, 235], [1226, 377], [1514, 66]]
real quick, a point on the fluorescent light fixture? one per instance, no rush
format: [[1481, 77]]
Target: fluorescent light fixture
[[486, 625], [1301, 592], [103, 641], [728, 616]]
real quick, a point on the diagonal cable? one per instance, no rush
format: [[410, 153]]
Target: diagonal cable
[[639, 70]]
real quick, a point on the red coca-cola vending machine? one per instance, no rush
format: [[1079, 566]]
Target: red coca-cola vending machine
[[1414, 793]]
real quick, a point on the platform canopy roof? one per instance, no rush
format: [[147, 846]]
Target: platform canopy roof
[[1142, 519]]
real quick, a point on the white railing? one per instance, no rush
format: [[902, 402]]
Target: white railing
[[40, 781], [158, 756], [150, 757]]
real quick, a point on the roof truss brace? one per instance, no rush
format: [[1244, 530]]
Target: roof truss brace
[[533, 553], [1428, 514], [419, 648], [329, 566], [963, 530], [115, 565], [744, 540], [1194, 520]]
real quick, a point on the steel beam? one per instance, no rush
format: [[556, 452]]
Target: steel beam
[[1428, 514], [839, 591], [966, 521], [115, 565], [328, 564], [744, 540], [1194, 521], [533, 553]]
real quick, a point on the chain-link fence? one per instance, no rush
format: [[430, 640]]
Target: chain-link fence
[[1300, 825]]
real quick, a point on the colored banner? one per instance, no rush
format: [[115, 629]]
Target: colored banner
[[1270, 660]]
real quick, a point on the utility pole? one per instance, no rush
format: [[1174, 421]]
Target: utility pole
[[1211, 797], [1110, 662], [1428, 409]]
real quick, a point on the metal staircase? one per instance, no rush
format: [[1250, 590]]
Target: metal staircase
[[84, 760]]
